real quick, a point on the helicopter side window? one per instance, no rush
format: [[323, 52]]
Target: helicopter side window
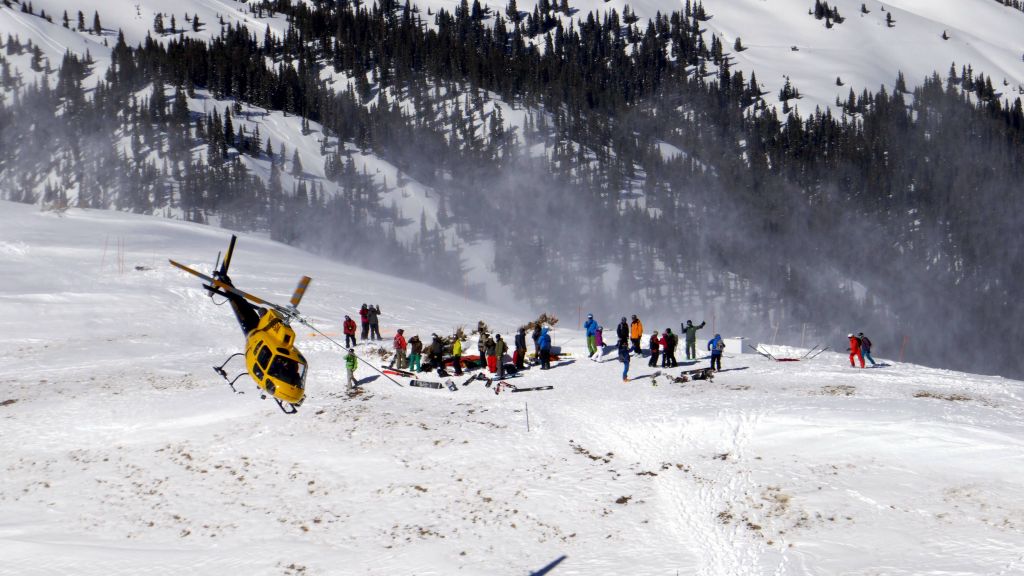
[[287, 370], [257, 372], [263, 356]]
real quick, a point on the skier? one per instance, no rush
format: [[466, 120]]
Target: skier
[[865, 347], [457, 356], [544, 343], [622, 330], [351, 363], [499, 352], [716, 345], [691, 339], [636, 332], [655, 344], [536, 341], [373, 315], [590, 326], [519, 358], [415, 353], [855, 350], [624, 358], [599, 342], [349, 328], [668, 358], [401, 362], [364, 319]]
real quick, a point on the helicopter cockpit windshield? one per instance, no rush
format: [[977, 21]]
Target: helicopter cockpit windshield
[[288, 370]]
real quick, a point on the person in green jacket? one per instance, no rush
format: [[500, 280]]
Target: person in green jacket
[[691, 339], [499, 351], [351, 363]]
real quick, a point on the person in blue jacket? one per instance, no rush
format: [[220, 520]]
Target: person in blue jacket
[[544, 342], [716, 346], [590, 326]]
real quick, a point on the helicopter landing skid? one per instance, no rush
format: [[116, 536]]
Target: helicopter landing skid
[[224, 375], [281, 405]]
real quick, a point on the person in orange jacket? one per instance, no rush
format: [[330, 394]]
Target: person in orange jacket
[[349, 328], [636, 332], [855, 350]]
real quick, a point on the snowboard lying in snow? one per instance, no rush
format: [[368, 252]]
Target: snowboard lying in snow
[[426, 384]]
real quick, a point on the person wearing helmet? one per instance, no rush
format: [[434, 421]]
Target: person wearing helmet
[[622, 330], [865, 347], [364, 319], [855, 350], [655, 345], [401, 362], [351, 363], [590, 328], [636, 332], [691, 339], [348, 327], [716, 346]]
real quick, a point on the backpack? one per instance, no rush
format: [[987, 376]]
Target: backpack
[[720, 346], [864, 342]]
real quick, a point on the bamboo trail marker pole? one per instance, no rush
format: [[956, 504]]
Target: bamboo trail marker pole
[[527, 404]]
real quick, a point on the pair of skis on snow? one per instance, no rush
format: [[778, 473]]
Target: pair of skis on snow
[[450, 384]]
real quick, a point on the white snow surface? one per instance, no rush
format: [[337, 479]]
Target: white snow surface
[[123, 453]]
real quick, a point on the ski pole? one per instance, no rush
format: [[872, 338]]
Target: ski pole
[[819, 352]]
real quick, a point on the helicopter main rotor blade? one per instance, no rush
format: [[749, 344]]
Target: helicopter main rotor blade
[[300, 291], [229, 288]]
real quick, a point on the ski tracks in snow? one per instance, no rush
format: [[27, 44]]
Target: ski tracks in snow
[[707, 509]]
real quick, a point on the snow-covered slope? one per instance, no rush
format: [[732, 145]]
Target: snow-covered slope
[[782, 40], [123, 453]]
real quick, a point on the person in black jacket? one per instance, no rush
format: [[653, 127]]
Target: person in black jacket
[[437, 355], [655, 344], [669, 354], [372, 315], [622, 330], [519, 358]]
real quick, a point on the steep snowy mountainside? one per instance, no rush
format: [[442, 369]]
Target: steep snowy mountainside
[[781, 40], [124, 453]]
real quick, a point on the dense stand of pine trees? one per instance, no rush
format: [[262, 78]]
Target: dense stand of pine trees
[[780, 220]]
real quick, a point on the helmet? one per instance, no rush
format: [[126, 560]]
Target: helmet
[[849, 335], [591, 316], [400, 331]]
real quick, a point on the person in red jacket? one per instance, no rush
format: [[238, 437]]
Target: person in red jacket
[[349, 328], [855, 350], [364, 318], [400, 360]]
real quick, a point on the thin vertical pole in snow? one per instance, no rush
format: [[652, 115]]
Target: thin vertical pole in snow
[[527, 404], [103, 261], [903, 347], [803, 335]]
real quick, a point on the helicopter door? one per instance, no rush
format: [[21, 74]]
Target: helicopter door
[[263, 355]]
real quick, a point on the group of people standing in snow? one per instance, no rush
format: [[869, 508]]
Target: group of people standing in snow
[[408, 354], [630, 335]]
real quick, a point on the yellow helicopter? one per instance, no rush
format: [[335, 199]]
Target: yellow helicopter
[[271, 359]]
